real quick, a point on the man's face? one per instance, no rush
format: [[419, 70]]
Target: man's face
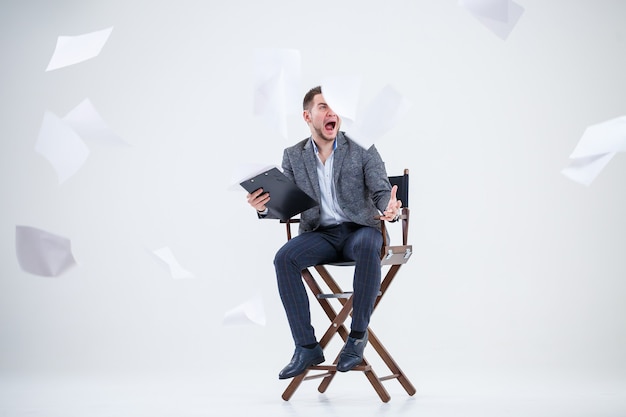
[[323, 122]]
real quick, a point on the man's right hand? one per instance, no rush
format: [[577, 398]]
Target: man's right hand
[[258, 199]]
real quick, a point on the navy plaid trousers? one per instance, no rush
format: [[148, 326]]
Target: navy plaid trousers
[[346, 241]]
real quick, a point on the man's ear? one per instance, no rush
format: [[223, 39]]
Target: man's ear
[[306, 116]]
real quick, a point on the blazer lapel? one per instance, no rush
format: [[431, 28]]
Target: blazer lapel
[[340, 155], [310, 165]]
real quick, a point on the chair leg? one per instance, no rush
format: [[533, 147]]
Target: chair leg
[[293, 386], [378, 386], [391, 364]]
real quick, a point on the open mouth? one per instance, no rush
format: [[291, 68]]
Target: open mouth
[[330, 126]]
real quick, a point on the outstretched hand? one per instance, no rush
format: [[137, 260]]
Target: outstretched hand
[[394, 206]]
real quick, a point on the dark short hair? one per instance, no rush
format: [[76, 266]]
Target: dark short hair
[[308, 97]]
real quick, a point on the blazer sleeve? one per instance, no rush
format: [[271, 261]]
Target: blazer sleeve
[[376, 179]]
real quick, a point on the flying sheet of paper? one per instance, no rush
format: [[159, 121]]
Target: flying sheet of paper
[[379, 117], [61, 146], [274, 109], [88, 123], [585, 170], [602, 138], [597, 146], [276, 86], [250, 312], [342, 95], [491, 9], [42, 253], [242, 172], [499, 16], [176, 270], [71, 50]]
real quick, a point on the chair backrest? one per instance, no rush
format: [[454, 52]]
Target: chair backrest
[[402, 181], [402, 194]]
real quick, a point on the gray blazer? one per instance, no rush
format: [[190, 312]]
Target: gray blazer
[[361, 182]]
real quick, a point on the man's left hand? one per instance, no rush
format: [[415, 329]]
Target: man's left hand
[[393, 208]]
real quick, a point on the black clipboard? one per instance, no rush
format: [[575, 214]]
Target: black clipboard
[[286, 198]]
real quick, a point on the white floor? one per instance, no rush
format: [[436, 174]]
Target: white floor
[[258, 395]]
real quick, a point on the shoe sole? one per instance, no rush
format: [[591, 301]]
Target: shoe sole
[[317, 361]]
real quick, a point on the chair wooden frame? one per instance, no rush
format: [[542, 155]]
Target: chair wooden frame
[[392, 256]]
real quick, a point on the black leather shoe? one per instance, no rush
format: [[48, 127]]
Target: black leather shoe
[[351, 354], [302, 359]]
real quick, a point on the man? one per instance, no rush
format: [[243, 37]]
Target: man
[[352, 188]]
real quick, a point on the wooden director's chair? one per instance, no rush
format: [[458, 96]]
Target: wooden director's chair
[[392, 257]]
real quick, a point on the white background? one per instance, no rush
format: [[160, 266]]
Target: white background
[[517, 270]]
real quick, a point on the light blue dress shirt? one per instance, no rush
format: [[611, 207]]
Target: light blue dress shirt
[[330, 212]]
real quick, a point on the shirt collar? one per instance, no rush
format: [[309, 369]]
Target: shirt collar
[[315, 145]]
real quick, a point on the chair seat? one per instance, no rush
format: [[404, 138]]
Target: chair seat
[[342, 263], [346, 294], [392, 255]]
